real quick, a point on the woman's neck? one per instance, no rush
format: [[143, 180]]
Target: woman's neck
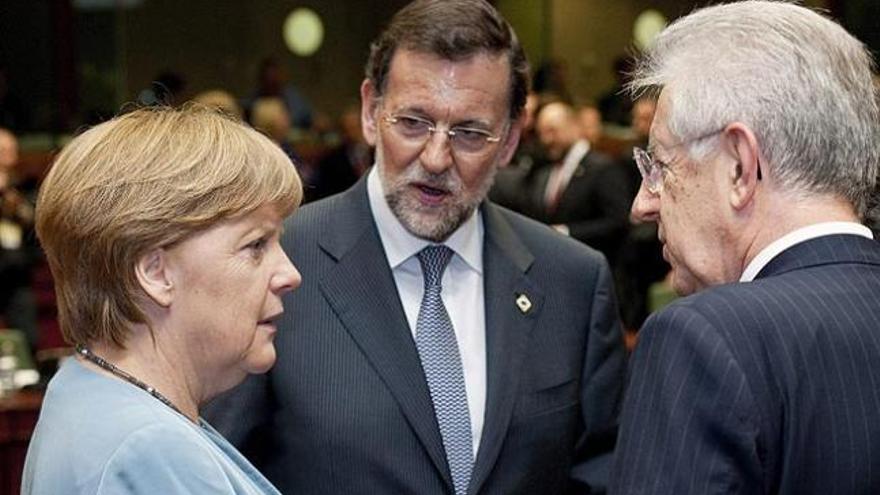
[[147, 364]]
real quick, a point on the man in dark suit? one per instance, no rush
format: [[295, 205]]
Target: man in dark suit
[[440, 344], [763, 154], [581, 192]]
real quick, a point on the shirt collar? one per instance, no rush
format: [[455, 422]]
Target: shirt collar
[[576, 153], [400, 244], [796, 237]]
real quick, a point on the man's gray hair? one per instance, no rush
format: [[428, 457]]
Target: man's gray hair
[[797, 79]]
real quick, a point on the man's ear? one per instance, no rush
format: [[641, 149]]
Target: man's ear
[[369, 104], [153, 274], [511, 141], [744, 174]]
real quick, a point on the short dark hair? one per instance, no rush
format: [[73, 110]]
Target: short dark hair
[[454, 30]]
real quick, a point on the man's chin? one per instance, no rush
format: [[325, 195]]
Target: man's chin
[[429, 227], [431, 224]]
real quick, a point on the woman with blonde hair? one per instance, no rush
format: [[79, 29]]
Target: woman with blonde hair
[[161, 228]]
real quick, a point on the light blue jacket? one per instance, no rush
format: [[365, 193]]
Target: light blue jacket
[[99, 435]]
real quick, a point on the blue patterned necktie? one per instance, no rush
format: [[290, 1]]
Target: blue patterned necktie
[[441, 362]]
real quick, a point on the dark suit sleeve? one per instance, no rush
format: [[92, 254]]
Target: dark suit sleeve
[[243, 416], [601, 391], [689, 423], [610, 197]]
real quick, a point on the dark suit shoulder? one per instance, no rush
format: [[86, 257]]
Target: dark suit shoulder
[[599, 159], [548, 245], [311, 215]]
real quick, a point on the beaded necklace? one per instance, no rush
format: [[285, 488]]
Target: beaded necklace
[[103, 363]]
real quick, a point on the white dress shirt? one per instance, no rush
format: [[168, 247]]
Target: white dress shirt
[[796, 237], [462, 292]]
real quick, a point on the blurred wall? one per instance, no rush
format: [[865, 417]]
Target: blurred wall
[[26, 53], [219, 43], [107, 54], [587, 35]]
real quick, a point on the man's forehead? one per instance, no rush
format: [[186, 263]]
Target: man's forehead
[[404, 60], [660, 136], [421, 80]]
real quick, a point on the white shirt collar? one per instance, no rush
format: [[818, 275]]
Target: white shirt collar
[[400, 244], [575, 154], [796, 237]]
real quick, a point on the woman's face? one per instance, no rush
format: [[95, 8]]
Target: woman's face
[[228, 282]]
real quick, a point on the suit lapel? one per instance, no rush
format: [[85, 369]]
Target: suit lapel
[[362, 293], [830, 249], [508, 328]]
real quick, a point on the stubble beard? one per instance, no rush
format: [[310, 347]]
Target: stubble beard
[[432, 223]]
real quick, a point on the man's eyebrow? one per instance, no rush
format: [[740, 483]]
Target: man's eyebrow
[[415, 111], [473, 123]]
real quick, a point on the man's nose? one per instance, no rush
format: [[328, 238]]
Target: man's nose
[[646, 206], [437, 155]]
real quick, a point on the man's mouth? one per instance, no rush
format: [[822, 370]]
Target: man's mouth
[[431, 195]]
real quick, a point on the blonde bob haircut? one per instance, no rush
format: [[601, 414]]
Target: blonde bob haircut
[[146, 179]]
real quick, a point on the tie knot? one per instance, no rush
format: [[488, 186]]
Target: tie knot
[[434, 260]]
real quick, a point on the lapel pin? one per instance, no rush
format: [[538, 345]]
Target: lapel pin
[[523, 303]]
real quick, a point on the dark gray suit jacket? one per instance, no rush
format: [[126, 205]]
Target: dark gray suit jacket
[[346, 409], [766, 387]]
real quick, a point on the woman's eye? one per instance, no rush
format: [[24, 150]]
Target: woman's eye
[[257, 246]]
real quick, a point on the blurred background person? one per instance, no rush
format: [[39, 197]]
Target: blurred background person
[[273, 81], [18, 252], [222, 100], [581, 192], [590, 120], [343, 165], [512, 181], [270, 115], [161, 228]]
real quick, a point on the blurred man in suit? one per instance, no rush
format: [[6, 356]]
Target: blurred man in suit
[[581, 192], [762, 157], [346, 163], [442, 344]]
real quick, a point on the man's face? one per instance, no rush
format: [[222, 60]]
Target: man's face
[[431, 185], [557, 130], [688, 211], [590, 121]]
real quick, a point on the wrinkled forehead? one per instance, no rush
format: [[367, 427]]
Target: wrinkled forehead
[[476, 86]]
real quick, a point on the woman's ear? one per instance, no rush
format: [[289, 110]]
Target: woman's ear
[[153, 273]]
